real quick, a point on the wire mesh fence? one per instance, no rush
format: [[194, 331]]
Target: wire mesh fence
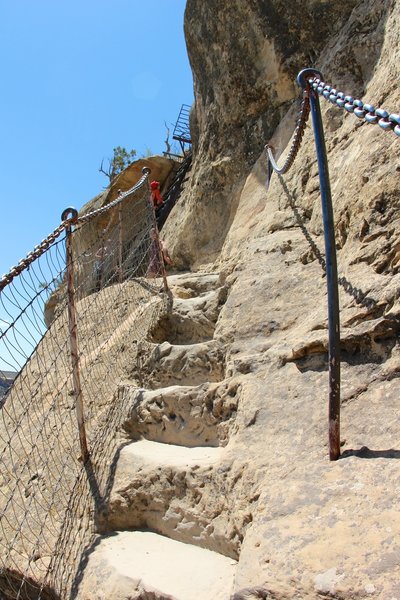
[[107, 265]]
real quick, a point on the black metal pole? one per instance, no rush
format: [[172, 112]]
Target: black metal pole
[[331, 263]]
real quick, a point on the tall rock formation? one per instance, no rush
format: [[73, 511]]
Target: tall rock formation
[[313, 528], [245, 57]]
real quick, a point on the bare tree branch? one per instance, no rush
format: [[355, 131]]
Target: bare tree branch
[[107, 173], [121, 159], [167, 139]]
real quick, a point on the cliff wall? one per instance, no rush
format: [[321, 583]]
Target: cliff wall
[[315, 528]]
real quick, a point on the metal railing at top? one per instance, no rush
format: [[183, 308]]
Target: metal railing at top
[[182, 126], [73, 315], [311, 81], [181, 131]]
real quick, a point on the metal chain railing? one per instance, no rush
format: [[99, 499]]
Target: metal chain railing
[[72, 316], [311, 81], [362, 110], [297, 139], [32, 256]]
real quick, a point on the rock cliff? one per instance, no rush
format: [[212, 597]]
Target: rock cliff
[[245, 57], [227, 470], [6, 379], [311, 528]]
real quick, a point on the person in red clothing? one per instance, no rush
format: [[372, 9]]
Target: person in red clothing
[[156, 196]]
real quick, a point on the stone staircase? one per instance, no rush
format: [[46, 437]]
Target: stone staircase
[[167, 529]]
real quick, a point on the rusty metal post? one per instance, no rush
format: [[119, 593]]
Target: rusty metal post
[[147, 171], [72, 214], [331, 264], [120, 243]]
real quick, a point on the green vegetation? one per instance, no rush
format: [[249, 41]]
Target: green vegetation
[[121, 159]]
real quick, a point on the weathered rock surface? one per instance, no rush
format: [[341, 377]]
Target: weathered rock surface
[[301, 526], [226, 447], [186, 415], [174, 491], [318, 528], [46, 506], [197, 303], [188, 364], [245, 57], [174, 482]]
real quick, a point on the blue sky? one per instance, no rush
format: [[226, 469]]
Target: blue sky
[[80, 77]]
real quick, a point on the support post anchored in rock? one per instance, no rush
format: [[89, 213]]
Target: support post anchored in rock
[[73, 336], [303, 79]]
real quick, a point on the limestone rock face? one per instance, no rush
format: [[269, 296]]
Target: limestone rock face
[[245, 57], [318, 528]]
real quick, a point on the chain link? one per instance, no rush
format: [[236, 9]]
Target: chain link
[[362, 110], [297, 138], [32, 256], [120, 198], [47, 242]]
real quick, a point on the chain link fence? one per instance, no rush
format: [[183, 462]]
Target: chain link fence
[[74, 316]]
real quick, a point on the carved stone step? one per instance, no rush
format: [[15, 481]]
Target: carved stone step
[[167, 455], [190, 364], [188, 285], [192, 320], [183, 415], [141, 565], [176, 491]]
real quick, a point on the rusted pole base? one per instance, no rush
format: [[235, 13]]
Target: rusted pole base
[[331, 263]]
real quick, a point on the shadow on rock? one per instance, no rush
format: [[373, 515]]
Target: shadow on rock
[[366, 452]]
